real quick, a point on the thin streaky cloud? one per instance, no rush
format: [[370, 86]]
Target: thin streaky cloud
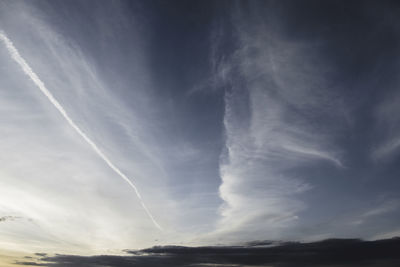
[[36, 80]]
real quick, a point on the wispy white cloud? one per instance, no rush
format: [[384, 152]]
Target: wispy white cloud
[[385, 207], [276, 92], [53, 176], [50, 174], [387, 121], [28, 71]]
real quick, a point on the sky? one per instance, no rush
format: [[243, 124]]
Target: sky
[[130, 124]]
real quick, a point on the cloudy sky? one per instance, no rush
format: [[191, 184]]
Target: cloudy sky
[[128, 124]]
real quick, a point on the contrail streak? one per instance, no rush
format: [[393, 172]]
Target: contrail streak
[[36, 80]]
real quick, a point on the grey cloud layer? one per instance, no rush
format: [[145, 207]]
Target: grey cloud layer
[[339, 252]]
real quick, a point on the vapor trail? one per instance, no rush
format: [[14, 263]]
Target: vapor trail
[[36, 80]]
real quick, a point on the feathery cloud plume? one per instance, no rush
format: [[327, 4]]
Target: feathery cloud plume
[[32, 75]]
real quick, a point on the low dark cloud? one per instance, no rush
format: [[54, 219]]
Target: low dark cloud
[[9, 218], [332, 252], [31, 263]]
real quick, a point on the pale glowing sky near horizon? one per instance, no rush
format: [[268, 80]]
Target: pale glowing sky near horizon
[[236, 121]]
